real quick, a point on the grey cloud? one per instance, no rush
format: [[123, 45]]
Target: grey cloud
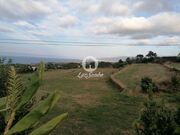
[[122, 8], [138, 27], [112, 7], [101, 7], [5, 30], [53, 17], [24, 9], [154, 6]]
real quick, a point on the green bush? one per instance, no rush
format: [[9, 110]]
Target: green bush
[[174, 82], [177, 117], [155, 119], [3, 77], [148, 85]]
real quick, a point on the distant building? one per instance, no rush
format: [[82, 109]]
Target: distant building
[[32, 68]]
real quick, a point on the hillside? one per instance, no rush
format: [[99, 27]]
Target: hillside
[[132, 74], [95, 105]]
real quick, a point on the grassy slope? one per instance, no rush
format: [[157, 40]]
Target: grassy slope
[[174, 65], [131, 75], [131, 78], [95, 107]]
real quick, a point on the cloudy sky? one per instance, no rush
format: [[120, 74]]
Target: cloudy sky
[[79, 28]]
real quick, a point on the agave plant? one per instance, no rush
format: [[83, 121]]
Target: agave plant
[[18, 97]]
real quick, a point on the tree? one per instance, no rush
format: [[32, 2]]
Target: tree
[[155, 119], [139, 58], [18, 97], [120, 61], [128, 60], [178, 57], [151, 56]]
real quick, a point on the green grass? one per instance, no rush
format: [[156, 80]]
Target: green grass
[[175, 65], [95, 106], [131, 75]]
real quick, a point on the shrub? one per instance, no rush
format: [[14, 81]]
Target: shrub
[[148, 85], [103, 64], [155, 119], [129, 60], [177, 116], [174, 82], [177, 120], [3, 77]]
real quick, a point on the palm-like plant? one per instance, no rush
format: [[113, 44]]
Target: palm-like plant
[[18, 97], [14, 91]]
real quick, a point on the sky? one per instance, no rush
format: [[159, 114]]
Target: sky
[[80, 28]]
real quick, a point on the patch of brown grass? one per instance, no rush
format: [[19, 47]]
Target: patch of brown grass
[[86, 99]]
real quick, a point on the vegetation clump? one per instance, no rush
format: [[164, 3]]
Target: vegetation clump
[[16, 102], [4, 64], [175, 82], [119, 64], [147, 84], [155, 119], [177, 120]]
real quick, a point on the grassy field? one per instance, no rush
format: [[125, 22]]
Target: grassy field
[[130, 78], [174, 65], [131, 75], [96, 106]]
